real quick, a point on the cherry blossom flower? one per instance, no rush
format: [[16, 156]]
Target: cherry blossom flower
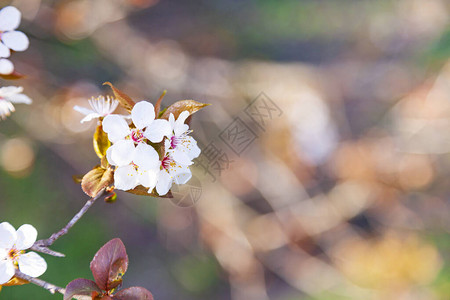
[[171, 171], [10, 95], [184, 147], [10, 38], [135, 165], [12, 252], [101, 107], [146, 127]]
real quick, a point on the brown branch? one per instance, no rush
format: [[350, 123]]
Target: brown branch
[[42, 245], [39, 282]]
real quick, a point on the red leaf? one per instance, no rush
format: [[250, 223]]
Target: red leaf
[[134, 293], [109, 264], [178, 107], [81, 287], [123, 98]]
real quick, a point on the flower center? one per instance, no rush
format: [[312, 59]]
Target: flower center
[[174, 141], [13, 254], [166, 162], [137, 135]]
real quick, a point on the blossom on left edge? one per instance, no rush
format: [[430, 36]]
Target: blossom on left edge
[[10, 95], [12, 252]]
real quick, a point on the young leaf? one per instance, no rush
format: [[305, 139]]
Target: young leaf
[[143, 191], [96, 180], [123, 98], [158, 103], [13, 76], [109, 264], [101, 142], [178, 107], [134, 293], [80, 287], [16, 281]]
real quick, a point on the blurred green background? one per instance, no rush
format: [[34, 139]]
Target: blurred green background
[[343, 194]]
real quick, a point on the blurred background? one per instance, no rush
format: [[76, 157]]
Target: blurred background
[[325, 150]]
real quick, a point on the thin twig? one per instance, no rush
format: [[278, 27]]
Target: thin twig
[[42, 245], [39, 282]]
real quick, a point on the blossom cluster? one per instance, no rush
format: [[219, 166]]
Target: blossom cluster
[[148, 151], [10, 39], [12, 252]]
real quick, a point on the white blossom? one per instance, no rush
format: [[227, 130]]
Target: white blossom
[[10, 95], [135, 165], [10, 38], [146, 127], [12, 252], [184, 147], [101, 107], [171, 171]]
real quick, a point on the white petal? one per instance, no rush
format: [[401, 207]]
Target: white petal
[[32, 264], [122, 152], [3, 253], [157, 130], [20, 98], [146, 157], [8, 91], [180, 127], [164, 182], [7, 271], [181, 175], [125, 178], [8, 235], [116, 127], [109, 158], [26, 236], [83, 110], [90, 117], [9, 18], [180, 156], [193, 151], [6, 66], [143, 114], [4, 51], [15, 40], [172, 120], [148, 178], [5, 108]]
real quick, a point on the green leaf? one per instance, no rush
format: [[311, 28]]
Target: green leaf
[[178, 107], [123, 98], [96, 180], [80, 287], [109, 264], [101, 142]]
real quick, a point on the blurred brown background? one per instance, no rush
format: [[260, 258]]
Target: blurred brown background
[[325, 151]]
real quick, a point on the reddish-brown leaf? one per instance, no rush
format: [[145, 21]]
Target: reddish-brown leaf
[[109, 264], [143, 191], [96, 180], [178, 107], [13, 76], [80, 287], [123, 98], [134, 293]]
